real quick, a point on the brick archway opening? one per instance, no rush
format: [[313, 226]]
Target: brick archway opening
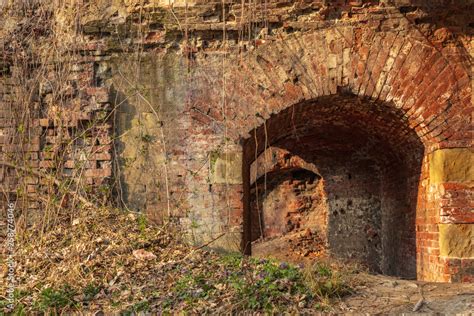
[[342, 167]]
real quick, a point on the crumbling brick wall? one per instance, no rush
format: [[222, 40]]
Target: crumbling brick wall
[[191, 87], [56, 128]]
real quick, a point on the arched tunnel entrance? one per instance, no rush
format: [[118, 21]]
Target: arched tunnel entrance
[[343, 168]]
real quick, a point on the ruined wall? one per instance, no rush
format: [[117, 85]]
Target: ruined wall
[[287, 201], [192, 88], [56, 131], [343, 208]]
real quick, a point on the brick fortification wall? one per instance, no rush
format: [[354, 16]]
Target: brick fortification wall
[[372, 96]]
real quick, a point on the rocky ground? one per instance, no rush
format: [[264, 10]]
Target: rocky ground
[[296, 246]]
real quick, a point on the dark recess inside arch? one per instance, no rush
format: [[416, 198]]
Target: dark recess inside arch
[[370, 161]]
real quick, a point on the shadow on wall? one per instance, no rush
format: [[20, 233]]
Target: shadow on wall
[[149, 94], [137, 152], [370, 163], [123, 123]]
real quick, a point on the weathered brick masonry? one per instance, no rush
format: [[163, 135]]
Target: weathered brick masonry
[[366, 104]]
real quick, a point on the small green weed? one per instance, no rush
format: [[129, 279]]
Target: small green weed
[[50, 298], [232, 260], [146, 138], [191, 288], [90, 291], [272, 283], [142, 306], [142, 223]]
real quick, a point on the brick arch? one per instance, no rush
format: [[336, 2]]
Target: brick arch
[[364, 152], [429, 87], [278, 159]]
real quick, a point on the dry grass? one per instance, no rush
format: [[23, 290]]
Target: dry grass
[[114, 261], [94, 249], [330, 279]]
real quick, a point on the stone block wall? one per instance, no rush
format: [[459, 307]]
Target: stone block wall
[[451, 181]]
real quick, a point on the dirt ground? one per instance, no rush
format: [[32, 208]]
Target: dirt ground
[[383, 294], [376, 294]]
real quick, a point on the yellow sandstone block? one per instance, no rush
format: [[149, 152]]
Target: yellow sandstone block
[[452, 165], [456, 240]]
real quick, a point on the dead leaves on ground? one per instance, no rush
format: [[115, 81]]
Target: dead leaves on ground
[[112, 261]]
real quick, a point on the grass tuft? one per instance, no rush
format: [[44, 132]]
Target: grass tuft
[[55, 299]]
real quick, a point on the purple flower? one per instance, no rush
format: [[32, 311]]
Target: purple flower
[[283, 265]]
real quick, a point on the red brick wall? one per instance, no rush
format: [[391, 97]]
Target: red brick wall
[[285, 201], [67, 135], [408, 66], [406, 73]]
